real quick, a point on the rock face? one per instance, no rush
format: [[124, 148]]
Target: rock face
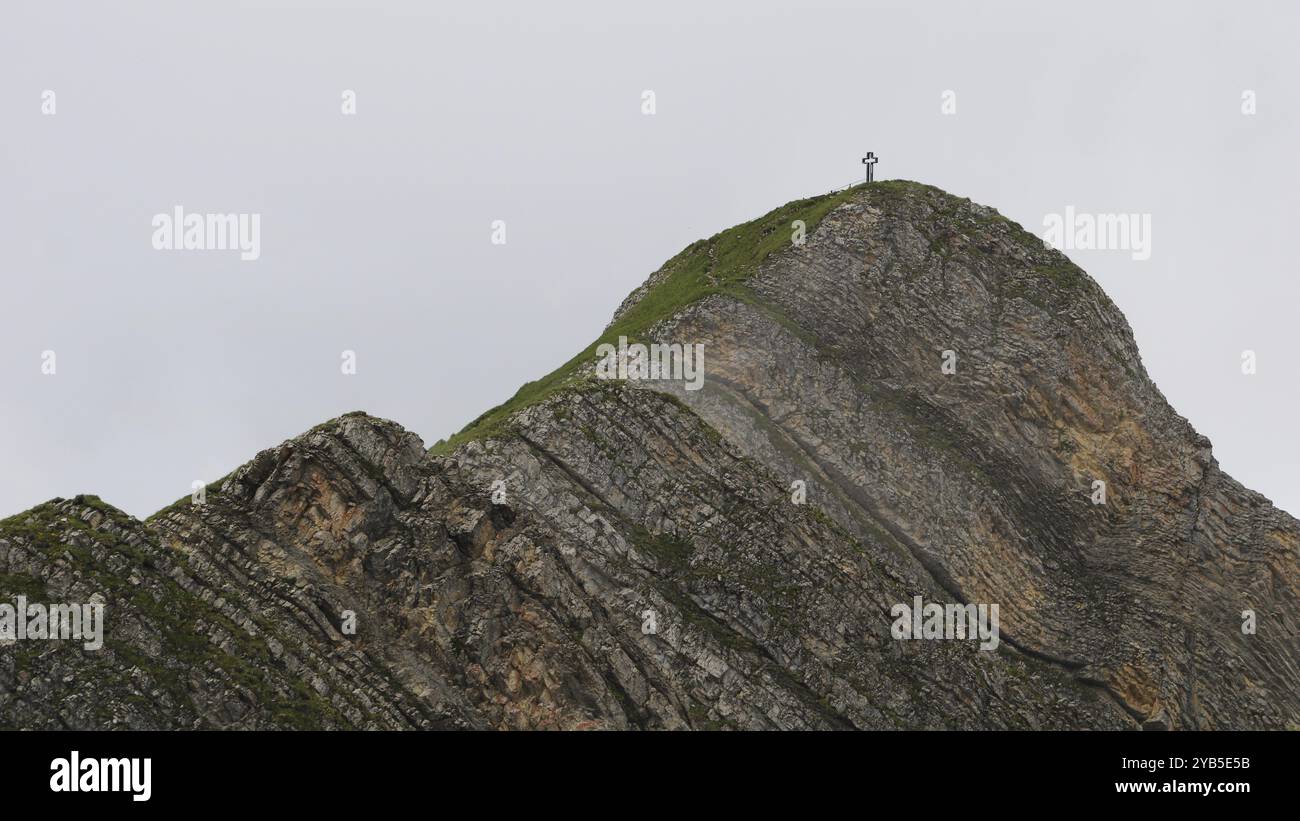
[[632, 554]]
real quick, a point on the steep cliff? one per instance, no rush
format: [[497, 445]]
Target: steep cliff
[[946, 391]]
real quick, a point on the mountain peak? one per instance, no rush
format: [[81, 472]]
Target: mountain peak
[[902, 395]]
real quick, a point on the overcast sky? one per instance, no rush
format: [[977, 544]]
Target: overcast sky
[[376, 227]]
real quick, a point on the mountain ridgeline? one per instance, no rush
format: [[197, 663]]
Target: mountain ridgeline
[[916, 399]]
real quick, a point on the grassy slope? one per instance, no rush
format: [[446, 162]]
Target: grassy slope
[[718, 265]]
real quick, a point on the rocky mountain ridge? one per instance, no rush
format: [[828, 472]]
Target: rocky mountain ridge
[[633, 554]]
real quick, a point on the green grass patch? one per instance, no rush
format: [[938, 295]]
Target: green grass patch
[[670, 551], [20, 584], [211, 489], [1050, 287]]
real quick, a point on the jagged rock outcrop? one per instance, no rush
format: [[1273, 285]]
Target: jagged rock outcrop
[[609, 554]]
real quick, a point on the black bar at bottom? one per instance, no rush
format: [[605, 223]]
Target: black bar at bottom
[[648, 771]]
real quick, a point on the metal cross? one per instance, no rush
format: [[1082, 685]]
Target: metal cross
[[870, 161]]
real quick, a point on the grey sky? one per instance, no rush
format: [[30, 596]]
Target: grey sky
[[375, 228]]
